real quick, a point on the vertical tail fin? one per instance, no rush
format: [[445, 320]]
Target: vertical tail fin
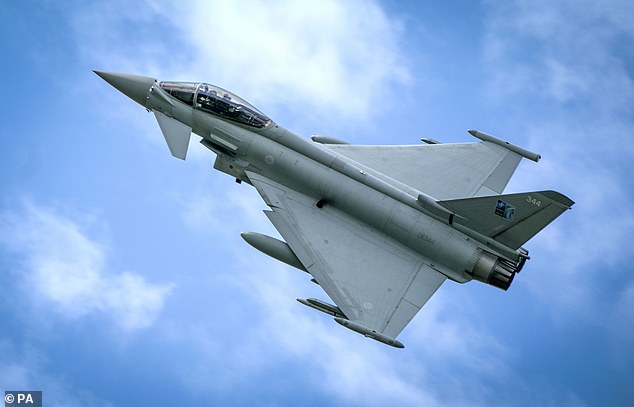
[[510, 219]]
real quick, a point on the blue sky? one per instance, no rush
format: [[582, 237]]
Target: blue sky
[[125, 279]]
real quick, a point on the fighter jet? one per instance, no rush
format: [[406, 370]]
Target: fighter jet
[[378, 227]]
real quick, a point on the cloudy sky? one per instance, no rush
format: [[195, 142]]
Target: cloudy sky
[[124, 277]]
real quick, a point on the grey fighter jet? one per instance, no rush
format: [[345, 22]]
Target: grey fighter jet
[[379, 228]]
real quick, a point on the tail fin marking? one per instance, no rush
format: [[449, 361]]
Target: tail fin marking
[[510, 219]]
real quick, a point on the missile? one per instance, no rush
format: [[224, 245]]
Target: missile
[[322, 306], [518, 150], [273, 247], [369, 333]]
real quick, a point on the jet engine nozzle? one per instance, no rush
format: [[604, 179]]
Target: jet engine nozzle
[[496, 271]]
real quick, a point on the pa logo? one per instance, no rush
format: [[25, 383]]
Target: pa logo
[[23, 398]]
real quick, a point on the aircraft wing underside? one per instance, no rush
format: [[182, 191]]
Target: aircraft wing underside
[[374, 280]]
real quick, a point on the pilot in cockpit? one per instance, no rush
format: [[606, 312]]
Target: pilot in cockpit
[[216, 101]]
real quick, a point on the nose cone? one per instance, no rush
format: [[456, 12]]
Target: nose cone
[[136, 87]]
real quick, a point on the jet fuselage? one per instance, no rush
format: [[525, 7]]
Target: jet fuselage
[[379, 228], [332, 180]]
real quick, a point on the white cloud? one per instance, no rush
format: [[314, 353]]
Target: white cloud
[[564, 52], [25, 368], [624, 311], [566, 66], [61, 267], [338, 363], [324, 58], [340, 56]]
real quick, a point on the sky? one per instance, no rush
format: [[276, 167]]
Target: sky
[[126, 282]]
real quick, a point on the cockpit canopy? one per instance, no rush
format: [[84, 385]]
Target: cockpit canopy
[[217, 101]]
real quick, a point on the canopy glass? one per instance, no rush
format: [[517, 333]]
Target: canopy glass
[[217, 101]]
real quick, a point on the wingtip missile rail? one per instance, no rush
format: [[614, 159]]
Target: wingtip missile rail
[[516, 149], [322, 306], [369, 333]]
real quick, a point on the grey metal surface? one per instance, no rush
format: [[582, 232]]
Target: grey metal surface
[[444, 171], [375, 281], [176, 134]]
